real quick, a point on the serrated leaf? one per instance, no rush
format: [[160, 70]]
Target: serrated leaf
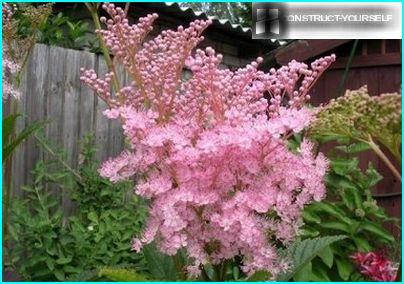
[[303, 252], [327, 256]]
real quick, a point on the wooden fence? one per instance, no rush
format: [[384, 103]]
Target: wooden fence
[[52, 90]]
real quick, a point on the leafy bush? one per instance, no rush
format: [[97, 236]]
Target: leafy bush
[[59, 29], [63, 31], [48, 245], [350, 210]]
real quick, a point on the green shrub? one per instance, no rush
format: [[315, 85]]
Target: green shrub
[[350, 210], [45, 244]]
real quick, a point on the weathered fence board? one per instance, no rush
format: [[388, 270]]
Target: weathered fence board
[[52, 91]]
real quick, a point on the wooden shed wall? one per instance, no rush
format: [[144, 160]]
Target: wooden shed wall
[[379, 79]]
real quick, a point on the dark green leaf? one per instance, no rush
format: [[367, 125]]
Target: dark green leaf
[[161, 266], [362, 244], [311, 217], [92, 216], [332, 210], [335, 225], [320, 275], [9, 126], [344, 267], [377, 231], [327, 256], [59, 274], [64, 260], [259, 276], [9, 148], [50, 264]]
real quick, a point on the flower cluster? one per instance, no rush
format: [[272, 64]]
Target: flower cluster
[[357, 115], [9, 66], [16, 47], [210, 152], [376, 266]]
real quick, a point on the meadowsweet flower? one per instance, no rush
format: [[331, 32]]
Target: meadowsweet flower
[[211, 150]]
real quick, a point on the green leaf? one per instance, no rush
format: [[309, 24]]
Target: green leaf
[[259, 276], [327, 256], [377, 230], [59, 274], [311, 217], [354, 148], [92, 216], [72, 269], [161, 266], [331, 209], [50, 264], [344, 166], [344, 268], [122, 275], [9, 126], [23, 135], [303, 252], [335, 225], [236, 273], [323, 138], [304, 274], [362, 244], [372, 176], [319, 274], [64, 260]]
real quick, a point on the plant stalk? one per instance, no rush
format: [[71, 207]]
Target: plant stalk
[[347, 67], [110, 64], [8, 176], [66, 165], [384, 158]]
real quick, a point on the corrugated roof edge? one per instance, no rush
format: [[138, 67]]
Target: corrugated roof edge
[[224, 22]]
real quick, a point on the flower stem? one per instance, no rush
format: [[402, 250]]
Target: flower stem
[[110, 64], [384, 158]]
